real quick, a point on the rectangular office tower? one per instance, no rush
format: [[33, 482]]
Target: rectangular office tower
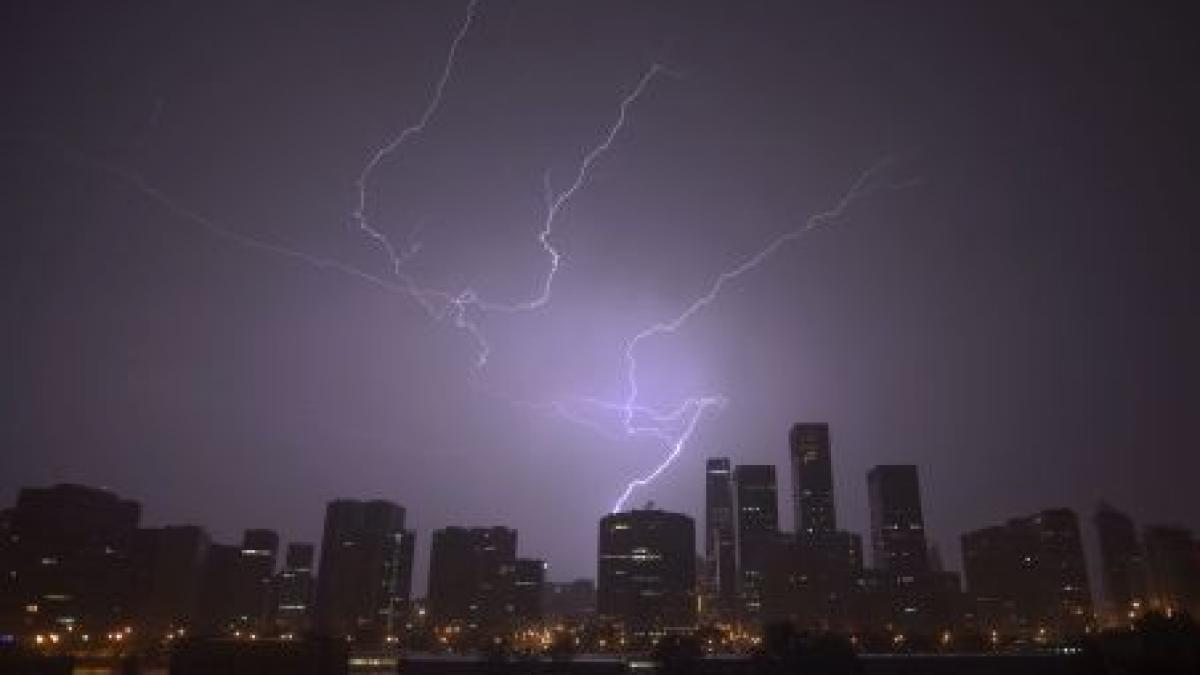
[[720, 553], [1122, 564], [646, 572], [812, 480], [757, 508], [1173, 562], [897, 523], [170, 567], [472, 578], [365, 577], [293, 591]]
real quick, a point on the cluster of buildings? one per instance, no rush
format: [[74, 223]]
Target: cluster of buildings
[[78, 572]]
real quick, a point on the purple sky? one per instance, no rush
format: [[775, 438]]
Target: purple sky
[[1022, 323]]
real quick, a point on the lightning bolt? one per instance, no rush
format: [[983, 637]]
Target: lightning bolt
[[381, 153], [556, 202], [693, 409], [673, 427]]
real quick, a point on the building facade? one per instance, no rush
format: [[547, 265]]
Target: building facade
[[1028, 577], [364, 580], [1173, 563], [646, 572], [812, 480], [70, 561], [757, 508], [293, 591], [1122, 565], [720, 542], [472, 579]]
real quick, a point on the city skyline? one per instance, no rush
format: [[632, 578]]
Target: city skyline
[[79, 557], [191, 213]]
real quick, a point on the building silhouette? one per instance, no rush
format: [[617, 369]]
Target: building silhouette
[[472, 579], [1173, 563], [293, 591], [898, 542], [69, 560], [169, 563], [365, 577], [720, 544], [1028, 577], [528, 588], [812, 480], [646, 572], [255, 574], [236, 585], [569, 601], [757, 508], [1122, 565]]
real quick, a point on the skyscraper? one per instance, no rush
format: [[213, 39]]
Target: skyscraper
[[472, 578], [236, 584], [719, 534], [897, 523], [293, 590], [646, 571], [757, 531], [256, 569], [1174, 569], [812, 480], [1123, 564], [70, 559], [170, 569], [365, 575]]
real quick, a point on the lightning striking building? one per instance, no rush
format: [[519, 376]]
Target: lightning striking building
[[646, 572]]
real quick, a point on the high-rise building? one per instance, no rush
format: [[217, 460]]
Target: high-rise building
[[472, 578], [646, 571], [170, 568], [812, 480], [294, 590], [530, 577], [1028, 577], [897, 523], [1174, 570], [70, 560], [757, 507], [256, 569], [1123, 565], [720, 552], [218, 607], [365, 577]]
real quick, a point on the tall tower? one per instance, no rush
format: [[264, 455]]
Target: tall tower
[[1123, 565], [719, 544], [472, 579], [897, 523], [366, 568], [812, 480], [757, 530]]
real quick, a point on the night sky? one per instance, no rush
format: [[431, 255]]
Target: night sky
[[1017, 310]]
